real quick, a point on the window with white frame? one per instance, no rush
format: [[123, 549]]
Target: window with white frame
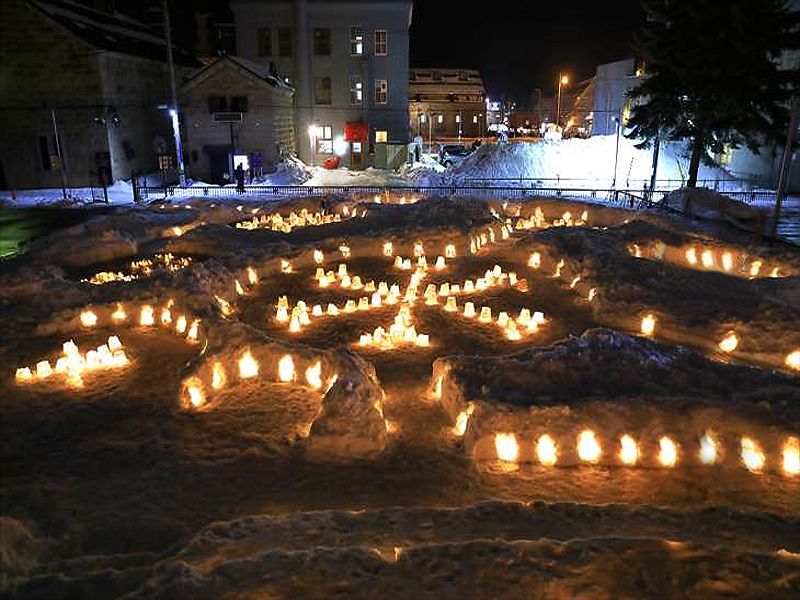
[[325, 141], [356, 41], [356, 90], [381, 42], [381, 91], [381, 137]]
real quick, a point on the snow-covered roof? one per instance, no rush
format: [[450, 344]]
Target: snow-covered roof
[[113, 32], [259, 70]]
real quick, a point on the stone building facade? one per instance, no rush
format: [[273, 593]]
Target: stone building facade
[[234, 107], [348, 64], [446, 103], [99, 76]]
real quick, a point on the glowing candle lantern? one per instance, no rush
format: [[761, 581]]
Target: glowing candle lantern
[[755, 267], [486, 315], [451, 306], [177, 231], [708, 448], [559, 266], [588, 447], [146, 316], [23, 374], [317, 310], [286, 265], [729, 343], [506, 446], [282, 314], [793, 360], [319, 257], [648, 325], [113, 343], [365, 339], [423, 340], [294, 323], [43, 369], [419, 249], [346, 282], [707, 258], [462, 420], [342, 270], [252, 276], [439, 263], [512, 278], [455, 289], [119, 315], [629, 450], [668, 452], [398, 262], [224, 306], [469, 287], [752, 455], [497, 272], [407, 264], [166, 316], [369, 286], [331, 277], [450, 251], [444, 289], [469, 310], [283, 302], [88, 318], [376, 300], [592, 294], [585, 216], [538, 317], [546, 450], [432, 300], [363, 303], [238, 287], [394, 290], [574, 282], [504, 233], [727, 261], [194, 390], [383, 289], [350, 306], [480, 284], [691, 256], [180, 325], [356, 285], [314, 375], [512, 333], [248, 367], [524, 316], [332, 310], [473, 247], [218, 376], [388, 249], [791, 456], [775, 272], [535, 260], [502, 319], [422, 263]]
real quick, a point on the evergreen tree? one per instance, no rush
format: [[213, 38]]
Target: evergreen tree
[[714, 75]]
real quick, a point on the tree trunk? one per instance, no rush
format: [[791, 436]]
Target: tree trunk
[[694, 163]]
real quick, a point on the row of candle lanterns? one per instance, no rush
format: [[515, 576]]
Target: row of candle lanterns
[[73, 365], [142, 268], [277, 222], [629, 453], [708, 259], [148, 317]]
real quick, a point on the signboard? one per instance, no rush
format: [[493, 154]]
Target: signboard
[[356, 132], [241, 159], [164, 162]]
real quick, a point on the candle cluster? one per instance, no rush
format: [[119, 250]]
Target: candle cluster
[[277, 222], [142, 268], [628, 451], [402, 331], [73, 365]]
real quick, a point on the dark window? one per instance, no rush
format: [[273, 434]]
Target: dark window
[[381, 42], [322, 41], [239, 104], [217, 104], [462, 76], [322, 90], [437, 76], [284, 41], [44, 150], [264, 41], [381, 91]]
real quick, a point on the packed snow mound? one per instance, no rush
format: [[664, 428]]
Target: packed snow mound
[[705, 203], [576, 162]]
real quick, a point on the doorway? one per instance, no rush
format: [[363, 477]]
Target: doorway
[[356, 155], [218, 163]]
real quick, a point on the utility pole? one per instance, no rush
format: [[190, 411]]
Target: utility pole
[[783, 177], [173, 109], [656, 147], [616, 151], [60, 157]]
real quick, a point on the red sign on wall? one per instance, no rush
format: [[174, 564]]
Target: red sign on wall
[[356, 132]]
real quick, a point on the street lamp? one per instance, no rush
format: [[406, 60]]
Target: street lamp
[[562, 80]]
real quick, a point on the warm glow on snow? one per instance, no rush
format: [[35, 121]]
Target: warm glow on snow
[[286, 369], [314, 375], [791, 456], [248, 367], [668, 452], [146, 316], [752, 455], [648, 325], [588, 447], [218, 376], [708, 448], [629, 450], [506, 446], [729, 343], [462, 420], [88, 318], [793, 360], [546, 450]]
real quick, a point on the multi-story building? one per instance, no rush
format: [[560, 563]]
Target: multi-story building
[[446, 103], [235, 112], [348, 64], [79, 95]]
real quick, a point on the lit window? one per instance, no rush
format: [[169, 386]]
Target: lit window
[[356, 90], [458, 118], [422, 118], [381, 91], [474, 118], [325, 141], [440, 118], [356, 41], [381, 42], [380, 137]]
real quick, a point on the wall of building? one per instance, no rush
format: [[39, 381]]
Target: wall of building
[[446, 103], [267, 126], [303, 18], [612, 83]]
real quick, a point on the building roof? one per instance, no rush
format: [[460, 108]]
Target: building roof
[[260, 71], [112, 32]]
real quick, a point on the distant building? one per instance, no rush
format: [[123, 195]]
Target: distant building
[[215, 34], [99, 75], [348, 63], [612, 83], [235, 108], [446, 103]]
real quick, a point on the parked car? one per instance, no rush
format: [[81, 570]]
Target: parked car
[[452, 154]]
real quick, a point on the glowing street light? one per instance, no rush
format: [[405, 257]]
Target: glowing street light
[[562, 81]]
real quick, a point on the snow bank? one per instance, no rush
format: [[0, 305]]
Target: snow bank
[[575, 162], [119, 193]]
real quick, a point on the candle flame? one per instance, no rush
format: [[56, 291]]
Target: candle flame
[[791, 456], [546, 450], [752, 455], [248, 367], [668, 452], [286, 369], [629, 450], [708, 448], [648, 324], [88, 318], [506, 446], [588, 447], [729, 343]]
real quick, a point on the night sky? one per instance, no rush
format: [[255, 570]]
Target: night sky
[[517, 45]]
